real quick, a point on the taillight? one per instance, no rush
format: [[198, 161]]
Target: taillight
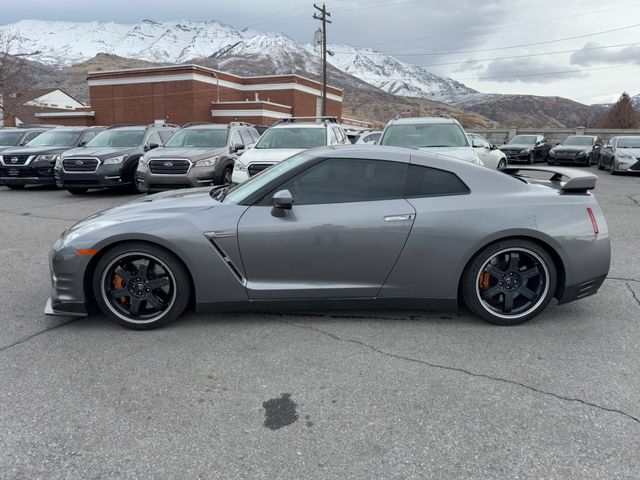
[[594, 223]]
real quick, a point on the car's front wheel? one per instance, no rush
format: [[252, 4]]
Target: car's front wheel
[[532, 158], [141, 286], [502, 164], [509, 282]]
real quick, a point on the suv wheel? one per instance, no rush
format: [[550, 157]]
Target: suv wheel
[[227, 173]]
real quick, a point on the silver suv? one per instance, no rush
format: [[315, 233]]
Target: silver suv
[[197, 155], [441, 135]]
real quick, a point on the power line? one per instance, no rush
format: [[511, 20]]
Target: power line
[[498, 48], [500, 27]]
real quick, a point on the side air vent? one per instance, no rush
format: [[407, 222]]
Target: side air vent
[[211, 236]]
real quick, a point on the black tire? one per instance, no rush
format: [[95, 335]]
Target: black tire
[[225, 176], [16, 187], [600, 165], [141, 286], [77, 190], [502, 164], [551, 162], [612, 167], [532, 158], [499, 271]]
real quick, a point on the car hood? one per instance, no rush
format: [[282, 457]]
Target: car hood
[[634, 152], [571, 148], [35, 150], [515, 146], [177, 152], [274, 155], [461, 153], [100, 152]]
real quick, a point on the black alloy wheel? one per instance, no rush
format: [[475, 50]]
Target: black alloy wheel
[[141, 286], [509, 282]]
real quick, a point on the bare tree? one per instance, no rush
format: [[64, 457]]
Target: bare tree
[[622, 114], [14, 70]]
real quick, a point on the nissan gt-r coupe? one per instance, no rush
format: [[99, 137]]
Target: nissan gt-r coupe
[[339, 227]]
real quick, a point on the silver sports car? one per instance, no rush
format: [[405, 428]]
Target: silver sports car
[[338, 227]]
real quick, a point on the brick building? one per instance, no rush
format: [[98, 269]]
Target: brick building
[[191, 93]]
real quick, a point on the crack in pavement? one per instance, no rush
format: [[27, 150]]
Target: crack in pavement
[[465, 371], [626, 284], [631, 197], [37, 334], [29, 215], [623, 279]]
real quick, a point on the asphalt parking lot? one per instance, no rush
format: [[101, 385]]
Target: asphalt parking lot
[[326, 395]]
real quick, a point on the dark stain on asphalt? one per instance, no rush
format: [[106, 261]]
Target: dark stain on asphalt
[[279, 412], [308, 422]]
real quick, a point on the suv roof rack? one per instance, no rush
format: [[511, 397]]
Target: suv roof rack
[[193, 124], [239, 124], [33, 125], [325, 119]]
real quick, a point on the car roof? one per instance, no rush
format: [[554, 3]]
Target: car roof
[[301, 125], [425, 120], [208, 126]]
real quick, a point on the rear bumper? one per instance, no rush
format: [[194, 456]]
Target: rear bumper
[[581, 290]]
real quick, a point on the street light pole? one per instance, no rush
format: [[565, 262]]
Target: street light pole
[[323, 18]]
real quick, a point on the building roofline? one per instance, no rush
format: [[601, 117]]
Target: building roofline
[[200, 67], [65, 114]]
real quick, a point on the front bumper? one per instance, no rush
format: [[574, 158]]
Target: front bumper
[[106, 176], [68, 309], [239, 176], [27, 175], [573, 160], [628, 165], [516, 157], [194, 178]]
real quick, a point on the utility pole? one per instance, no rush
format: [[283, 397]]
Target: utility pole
[[323, 18]]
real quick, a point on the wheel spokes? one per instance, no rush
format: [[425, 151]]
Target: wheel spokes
[[494, 271], [134, 307], [120, 292], [514, 260], [530, 272], [121, 272], [155, 302], [528, 294], [492, 292], [143, 268], [158, 283], [508, 302]]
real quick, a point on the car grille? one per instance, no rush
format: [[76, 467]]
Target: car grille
[[566, 154], [169, 167], [15, 159], [256, 168], [513, 152], [636, 166], [82, 165]]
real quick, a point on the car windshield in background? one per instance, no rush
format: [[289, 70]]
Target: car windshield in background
[[117, 138], [425, 135], [629, 142], [292, 138], [198, 138], [10, 139], [523, 140], [241, 191], [578, 141], [55, 139]]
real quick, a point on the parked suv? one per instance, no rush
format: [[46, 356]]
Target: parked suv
[[110, 159], [197, 155], [439, 134], [286, 138], [576, 150], [34, 163], [18, 136], [527, 148]]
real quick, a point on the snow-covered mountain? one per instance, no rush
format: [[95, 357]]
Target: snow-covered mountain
[[392, 75], [63, 44]]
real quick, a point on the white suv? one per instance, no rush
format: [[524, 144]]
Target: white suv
[[284, 139], [439, 134]]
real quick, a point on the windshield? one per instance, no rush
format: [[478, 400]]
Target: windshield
[[629, 142], [241, 191], [198, 138], [578, 141], [10, 139], [292, 138], [425, 136], [523, 140], [117, 138], [53, 138]]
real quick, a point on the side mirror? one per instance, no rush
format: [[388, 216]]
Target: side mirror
[[494, 146], [557, 143], [476, 144], [83, 143], [237, 148], [282, 200], [151, 146]]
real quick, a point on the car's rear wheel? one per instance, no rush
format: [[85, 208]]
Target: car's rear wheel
[[532, 158], [600, 165], [612, 167], [502, 164], [16, 187], [77, 190], [141, 286], [509, 282]]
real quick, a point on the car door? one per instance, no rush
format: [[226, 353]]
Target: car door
[[346, 229], [597, 148], [607, 152]]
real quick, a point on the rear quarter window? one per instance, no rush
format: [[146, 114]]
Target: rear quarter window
[[432, 182]]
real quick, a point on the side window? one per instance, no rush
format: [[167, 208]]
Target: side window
[[254, 134], [432, 182], [343, 136], [246, 137], [334, 136], [30, 136], [166, 134], [235, 138], [154, 137], [339, 180]]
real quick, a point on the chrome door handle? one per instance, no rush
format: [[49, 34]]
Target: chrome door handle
[[399, 218]]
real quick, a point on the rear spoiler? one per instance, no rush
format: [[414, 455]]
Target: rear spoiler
[[565, 179]]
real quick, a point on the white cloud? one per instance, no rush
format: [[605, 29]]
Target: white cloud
[[590, 54], [529, 70]]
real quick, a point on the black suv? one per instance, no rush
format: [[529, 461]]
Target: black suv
[[33, 164], [18, 136], [110, 160]]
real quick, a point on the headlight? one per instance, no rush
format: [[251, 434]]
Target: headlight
[[115, 160], [239, 166], [48, 158], [58, 164], [625, 156], [143, 162], [207, 162]]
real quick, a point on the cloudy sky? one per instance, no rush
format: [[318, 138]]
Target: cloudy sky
[[582, 50]]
